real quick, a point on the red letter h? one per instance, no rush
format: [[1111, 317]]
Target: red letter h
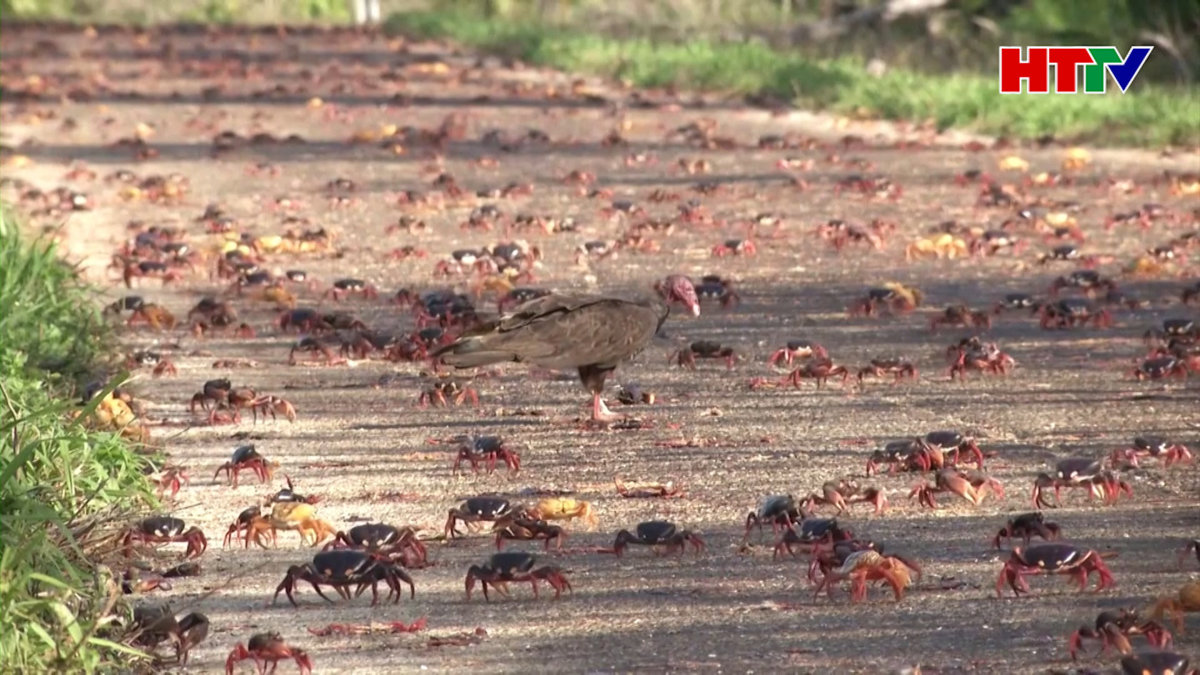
[[1035, 69]]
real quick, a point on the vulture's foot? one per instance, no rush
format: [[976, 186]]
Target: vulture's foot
[[600, 411]]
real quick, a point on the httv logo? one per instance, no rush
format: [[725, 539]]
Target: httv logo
[[1034, 68]]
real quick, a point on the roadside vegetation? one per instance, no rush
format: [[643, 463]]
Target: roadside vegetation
[[64, 481], [1151, 113]]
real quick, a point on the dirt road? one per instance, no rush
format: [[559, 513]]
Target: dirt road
[[365, 448]]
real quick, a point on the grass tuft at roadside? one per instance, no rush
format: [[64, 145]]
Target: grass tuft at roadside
[[65, 485]]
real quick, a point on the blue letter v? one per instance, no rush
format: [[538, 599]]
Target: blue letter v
[[1124, 73]]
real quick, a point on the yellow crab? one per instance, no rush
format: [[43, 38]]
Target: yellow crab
[[945, 246], [115, 414], [279, 295], [1185, 185], [565, 508], [299, 516], [1076, 158]]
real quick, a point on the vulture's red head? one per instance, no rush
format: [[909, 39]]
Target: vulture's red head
[[679, 288]]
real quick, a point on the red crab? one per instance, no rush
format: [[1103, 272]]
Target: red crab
[[1151, 446], [968, 485], [1071, 312], [442, 392], [266, 648], [797, 349], [158, 530], [1052, 558], [985, 359], [895, 298], [1160, 367], [820, 371], [1079, 472], [343, 287], [1113, 628], [1026, 526], [489, 449], [735, 247], [960, 315], [246, 458], [704, 349], [893, 365], [840, 494]]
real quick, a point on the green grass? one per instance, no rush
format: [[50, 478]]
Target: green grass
[[63, 486], [1147, 115]]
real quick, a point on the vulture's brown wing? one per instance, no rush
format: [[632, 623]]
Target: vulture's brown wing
[[560, 331]]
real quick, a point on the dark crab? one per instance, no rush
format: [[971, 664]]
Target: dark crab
[[957, 443], [713, 288], [345, 568], [961, 316], [1177, 328], [241, 526], [798, 350], [1079, 472], [212, 394], [1156, 662], [266, 648], [441, 392], [1015, 302], [820, 371], [245, 458], [485, 509], [1151, 446], [704, 349], [1026, 526], [1160, 367], [1088, 281], [889, 365], [1071, 312], [159, 530], [894, 298], [319, 347], [735, 247], [489, 449], [984, 358], [518, 296], [343, 287], [397, 544], [152, 624], [1113, 628], [1053, 558], [529, 529], [1190, 548], [781, 511], [811, 535], [503, 568], [910, 454], [656, 534]]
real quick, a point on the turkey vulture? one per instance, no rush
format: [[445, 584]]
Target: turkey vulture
[[591, 333]]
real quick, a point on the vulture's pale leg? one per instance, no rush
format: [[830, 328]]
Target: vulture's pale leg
[[600, 411], [593, 379]]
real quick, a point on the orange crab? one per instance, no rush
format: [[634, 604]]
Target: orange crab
[[869, 565], [1187, 599], [298, 516]]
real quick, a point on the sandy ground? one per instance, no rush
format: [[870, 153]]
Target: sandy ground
[[365, 449]]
